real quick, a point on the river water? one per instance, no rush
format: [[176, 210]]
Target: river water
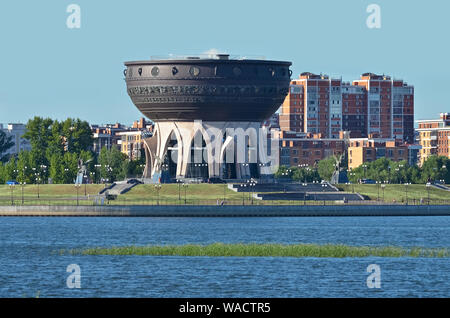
[[30, 264]]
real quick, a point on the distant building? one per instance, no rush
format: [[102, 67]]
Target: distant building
[[16, 131], [131, 143], [298, 149], [143, 124], [127, 139], [434, 137], [106, 136], [390, 107], [272, 122], [292, 112], [361, 150], [374, 104]]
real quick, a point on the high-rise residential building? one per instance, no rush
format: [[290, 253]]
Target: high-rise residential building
[[292, 111], [374, 105], [318, 115], [354, 110], [434, 137], [390, 107]]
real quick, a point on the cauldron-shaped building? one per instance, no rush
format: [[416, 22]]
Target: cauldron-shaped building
[[201, 107]]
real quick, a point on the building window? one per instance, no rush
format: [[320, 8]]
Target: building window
[[194, 71], [155, 71]]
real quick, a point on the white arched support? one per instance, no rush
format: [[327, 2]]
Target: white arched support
[[244, 144]]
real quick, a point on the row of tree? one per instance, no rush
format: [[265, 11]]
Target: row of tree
[[435, 168], [303, 174], [57, 149], [387, 171]]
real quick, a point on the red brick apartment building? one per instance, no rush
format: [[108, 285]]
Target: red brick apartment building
[[390, 107], [300, 148], [374, 104]]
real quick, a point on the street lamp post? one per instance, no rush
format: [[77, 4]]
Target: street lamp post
[[389, 174], [185, 185], [445, 173], [179, 189], [324, 186], [398, 172], [406, 192], [382, 187], [428, 190], [85, 184], [43, 169], [401, 177], [365, 167], [157, 188], [252, 185], [243, 185], [378, 186], [92, 174], [38, 181], [11, 186], [352, 174], [77, 186], [97, 167], [22, 184]]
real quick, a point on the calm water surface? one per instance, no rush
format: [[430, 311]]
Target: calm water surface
[[30, 264]]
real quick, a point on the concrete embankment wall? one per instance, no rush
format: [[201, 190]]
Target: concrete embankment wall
[[221, 211]]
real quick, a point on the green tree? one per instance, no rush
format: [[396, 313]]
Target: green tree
[[24, 167], [326, 168], [70, 163], [2, 173], [9, 169], [56, 141], [284, 172], [111, 164], [77, 135], [298, 174], [39, 134], [414, 174], [436, 168], [56, 171]]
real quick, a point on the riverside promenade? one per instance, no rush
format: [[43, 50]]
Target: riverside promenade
[[226, 211]]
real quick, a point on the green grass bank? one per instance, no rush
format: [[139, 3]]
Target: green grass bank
[[266, 250], [198, 194]]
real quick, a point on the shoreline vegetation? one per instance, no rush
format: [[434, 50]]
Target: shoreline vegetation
[[265, 250]]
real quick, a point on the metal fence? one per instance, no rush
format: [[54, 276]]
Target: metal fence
[[98, 200]]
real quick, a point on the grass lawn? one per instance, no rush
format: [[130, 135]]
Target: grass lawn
[[397, 192], [66, 194], [57, 193], [176, 191], [140, 194], [50, 190]]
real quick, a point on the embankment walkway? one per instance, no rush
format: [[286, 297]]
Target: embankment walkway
[[227, 211]]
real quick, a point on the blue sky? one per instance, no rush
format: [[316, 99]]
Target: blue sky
[[50, 70]]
